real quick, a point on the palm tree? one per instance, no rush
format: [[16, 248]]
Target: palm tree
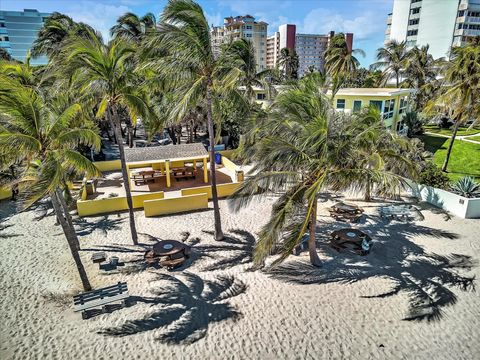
[[56, 29], [298, 154], [25, 74], [421, 70], [392, 60], [133, 28], [191, 69], [378, 149], [288, 61], [242, 53], [43, 136], [107, 72], [462, 76], [340, 61]]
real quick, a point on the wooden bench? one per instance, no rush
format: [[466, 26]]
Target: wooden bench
[[101, 297]]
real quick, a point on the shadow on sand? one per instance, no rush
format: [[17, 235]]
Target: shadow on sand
[[424, 276], [188, 305]]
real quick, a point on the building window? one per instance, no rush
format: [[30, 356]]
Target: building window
[[340, 103], [2, 24], [388, 108], [413, 22], [403, 104], [357, 105], [248, 35], [415, 1], [412, 32], [461, 13], [474, 13], [261, 96], [249, 27], [376, 103], [416, 10]]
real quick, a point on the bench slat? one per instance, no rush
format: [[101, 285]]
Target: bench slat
[[96, 303]]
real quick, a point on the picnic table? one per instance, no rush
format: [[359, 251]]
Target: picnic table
[[184, 172], [399, 212], [175, 253], [355, 239], [346, 212], [142, 177]]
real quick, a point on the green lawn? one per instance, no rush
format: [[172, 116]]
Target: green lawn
[[461, 131], [464, 160]]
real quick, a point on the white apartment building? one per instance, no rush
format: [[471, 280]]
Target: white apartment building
[[439, 23], [243, 27]]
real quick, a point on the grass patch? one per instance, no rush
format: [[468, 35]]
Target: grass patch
[[462, 131], [464, 160]]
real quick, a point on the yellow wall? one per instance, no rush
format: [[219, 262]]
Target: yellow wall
[[349, 99], [175, 205], [223, 190], [108, 205], [108, 165], [5, 193], [227, 153]]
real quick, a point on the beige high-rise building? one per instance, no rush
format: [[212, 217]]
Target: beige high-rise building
[[243, 27]]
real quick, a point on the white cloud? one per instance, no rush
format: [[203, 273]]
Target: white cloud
[[322, 21], [214, 19], [100, 16]]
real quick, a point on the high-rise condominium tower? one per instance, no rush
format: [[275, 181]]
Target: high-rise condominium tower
[[310, 48], [18, 31], [243, 27], [439, 23]]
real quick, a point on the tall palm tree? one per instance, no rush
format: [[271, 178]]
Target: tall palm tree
[[132, 28], [421, 70], [288, 61], [460, 94], [36, 132], [298, 154], [340, 61], [193, 72], [392, 60], [56, 29], [107, 73]]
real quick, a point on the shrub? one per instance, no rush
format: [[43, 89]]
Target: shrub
[[414, 123], [466, 187], [432, 175]]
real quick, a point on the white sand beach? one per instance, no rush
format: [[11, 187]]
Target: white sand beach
[[293, 312]]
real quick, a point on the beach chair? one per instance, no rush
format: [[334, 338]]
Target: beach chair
[[100, 298]]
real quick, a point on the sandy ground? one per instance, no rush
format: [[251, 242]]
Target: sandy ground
[[214, 308]]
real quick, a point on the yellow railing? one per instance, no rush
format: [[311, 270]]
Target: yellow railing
[[108, 205], [223, 190], [108, 165], [175, 205]]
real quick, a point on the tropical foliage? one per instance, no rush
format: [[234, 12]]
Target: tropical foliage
[[299, 155], [467, 187]]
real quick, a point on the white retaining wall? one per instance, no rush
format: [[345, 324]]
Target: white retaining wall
[[458, 205]]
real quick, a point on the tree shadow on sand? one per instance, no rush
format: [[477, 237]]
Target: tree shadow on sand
[[104, 224], [184, 309], [425, 277], [235, 249]]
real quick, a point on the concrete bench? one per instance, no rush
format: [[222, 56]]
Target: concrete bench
[[101, 297]]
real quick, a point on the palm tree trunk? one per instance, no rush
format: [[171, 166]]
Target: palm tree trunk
[[396, 74], [312, 243], [126, 180], [71, 239], [130, 134], [68, 217], [216, 209], [450, 146], [368, 195]]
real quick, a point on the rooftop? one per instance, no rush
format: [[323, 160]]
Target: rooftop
[[167, 152], [387, 92]]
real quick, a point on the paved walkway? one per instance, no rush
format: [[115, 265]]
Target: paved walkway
[[464, 138]]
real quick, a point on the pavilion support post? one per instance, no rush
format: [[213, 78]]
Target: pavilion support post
[[167, 172], [205, 171]]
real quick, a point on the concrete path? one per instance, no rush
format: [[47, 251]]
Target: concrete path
[[464, 138]]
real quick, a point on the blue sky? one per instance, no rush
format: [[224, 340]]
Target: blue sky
[[365, 18]]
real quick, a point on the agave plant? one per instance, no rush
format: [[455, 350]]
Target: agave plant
[[467, 187]]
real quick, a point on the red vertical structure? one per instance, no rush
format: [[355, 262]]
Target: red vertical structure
[[291, 31], [349, 40]]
